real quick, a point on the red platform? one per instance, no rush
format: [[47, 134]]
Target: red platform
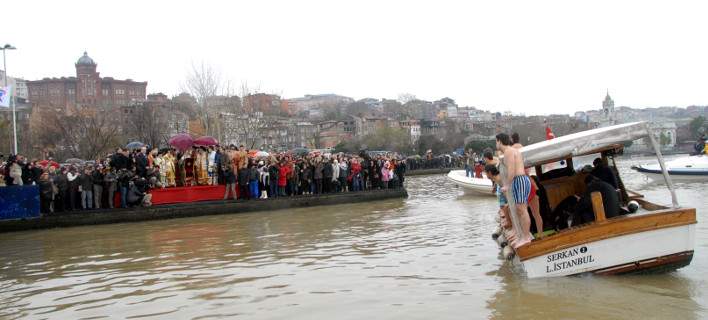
[[187, 194]]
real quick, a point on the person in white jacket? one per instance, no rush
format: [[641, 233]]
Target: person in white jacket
[[335, 176]]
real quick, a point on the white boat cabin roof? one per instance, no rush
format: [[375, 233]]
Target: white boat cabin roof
[[581, 143]]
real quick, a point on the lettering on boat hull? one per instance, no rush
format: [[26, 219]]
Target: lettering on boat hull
[[603, 255], [568, 258]]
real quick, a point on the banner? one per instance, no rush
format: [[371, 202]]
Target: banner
[[5, 97], [19, 202]]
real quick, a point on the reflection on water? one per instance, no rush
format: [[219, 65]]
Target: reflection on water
[[428, 256]]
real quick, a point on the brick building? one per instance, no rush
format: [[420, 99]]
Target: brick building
[[86, 89]]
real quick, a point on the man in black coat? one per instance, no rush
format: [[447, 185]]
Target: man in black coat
[[610, 201], [119, 160], [243, 177], [141, 162], [604, 173]]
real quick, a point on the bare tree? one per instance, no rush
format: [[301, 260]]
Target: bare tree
[[404, 98], [203, 81], [85, 134], [149, 124]]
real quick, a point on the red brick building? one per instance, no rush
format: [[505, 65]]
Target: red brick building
[[87, 89]]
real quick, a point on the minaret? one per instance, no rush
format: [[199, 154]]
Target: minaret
[[608, 109]]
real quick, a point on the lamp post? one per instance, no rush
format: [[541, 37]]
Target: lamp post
[[12, 99]]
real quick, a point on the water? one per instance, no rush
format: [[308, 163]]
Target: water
[[426, 257]]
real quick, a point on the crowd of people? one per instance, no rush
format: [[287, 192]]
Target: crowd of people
[[130, 175]]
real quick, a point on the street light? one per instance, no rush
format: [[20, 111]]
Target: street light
[[12, 102]]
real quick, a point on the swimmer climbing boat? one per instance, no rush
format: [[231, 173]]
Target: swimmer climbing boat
[[475, 186], [656, 238]]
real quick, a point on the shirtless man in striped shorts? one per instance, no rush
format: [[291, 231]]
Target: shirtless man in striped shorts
[[519, 183]]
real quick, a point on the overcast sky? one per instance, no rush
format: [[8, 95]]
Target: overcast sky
[[528, 57]]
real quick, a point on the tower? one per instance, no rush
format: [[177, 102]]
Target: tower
[[608, 110], [88, 81]]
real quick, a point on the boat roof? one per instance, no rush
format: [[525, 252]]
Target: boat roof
[[582, 143]]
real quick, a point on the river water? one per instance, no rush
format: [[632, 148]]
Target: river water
[[426, 257]]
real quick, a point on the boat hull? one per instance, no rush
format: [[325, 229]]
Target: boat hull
[[474, 186], [692, 168], [657, 176], [647, 251]]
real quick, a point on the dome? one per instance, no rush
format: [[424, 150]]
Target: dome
[[85, 60]]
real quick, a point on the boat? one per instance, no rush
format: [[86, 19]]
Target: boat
[[475, 186], [656, 238], [690, 168]]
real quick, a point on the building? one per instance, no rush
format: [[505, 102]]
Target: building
[[413, 128], [608, 112], [268, 104], [19, 86], [86, 89], [317, 101]]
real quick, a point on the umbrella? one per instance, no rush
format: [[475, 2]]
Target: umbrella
[[135, 145], [74, 161], [252, 153], [262, 154], [181, 141], [206, 141], [48, 163]]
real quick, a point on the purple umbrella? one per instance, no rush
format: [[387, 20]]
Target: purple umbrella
[[206, 141], [181, 141]]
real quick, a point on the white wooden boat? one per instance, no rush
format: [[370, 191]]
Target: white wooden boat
[[655, 239], [691, 168], [475, 186]]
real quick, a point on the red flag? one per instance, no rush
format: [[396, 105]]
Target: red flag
[[549, 132]]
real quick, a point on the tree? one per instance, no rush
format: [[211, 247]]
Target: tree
[[6, 136], [148, 124], [202, 82], [697, 126], [480, 145], [86, 133], [430, 142], [664, 139], [404, 98]]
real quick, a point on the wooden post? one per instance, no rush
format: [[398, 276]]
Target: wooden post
[[597, 207]]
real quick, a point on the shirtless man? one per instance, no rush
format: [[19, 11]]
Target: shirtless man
[[518, 183], [533, 199]]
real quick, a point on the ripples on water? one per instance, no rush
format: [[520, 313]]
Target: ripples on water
[[428, 256]]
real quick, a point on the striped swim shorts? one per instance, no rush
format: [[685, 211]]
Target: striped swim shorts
[[521, 189]]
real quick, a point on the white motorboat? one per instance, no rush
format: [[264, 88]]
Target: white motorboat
[[476, 186], [656, 238], [690, 168]]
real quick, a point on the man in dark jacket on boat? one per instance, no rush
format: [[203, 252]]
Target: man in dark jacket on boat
[[603, 172], [610, 201]]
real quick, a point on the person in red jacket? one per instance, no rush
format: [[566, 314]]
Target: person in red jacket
[[283, 173], [355, 175]]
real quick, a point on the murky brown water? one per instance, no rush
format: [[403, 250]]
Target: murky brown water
[[427, 257]]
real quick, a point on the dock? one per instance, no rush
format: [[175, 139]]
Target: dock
[[194, 209]]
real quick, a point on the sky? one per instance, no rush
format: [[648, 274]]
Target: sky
[[527, 57]]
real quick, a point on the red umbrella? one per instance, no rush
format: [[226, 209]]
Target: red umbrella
[[181, 141], [206, 141]]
